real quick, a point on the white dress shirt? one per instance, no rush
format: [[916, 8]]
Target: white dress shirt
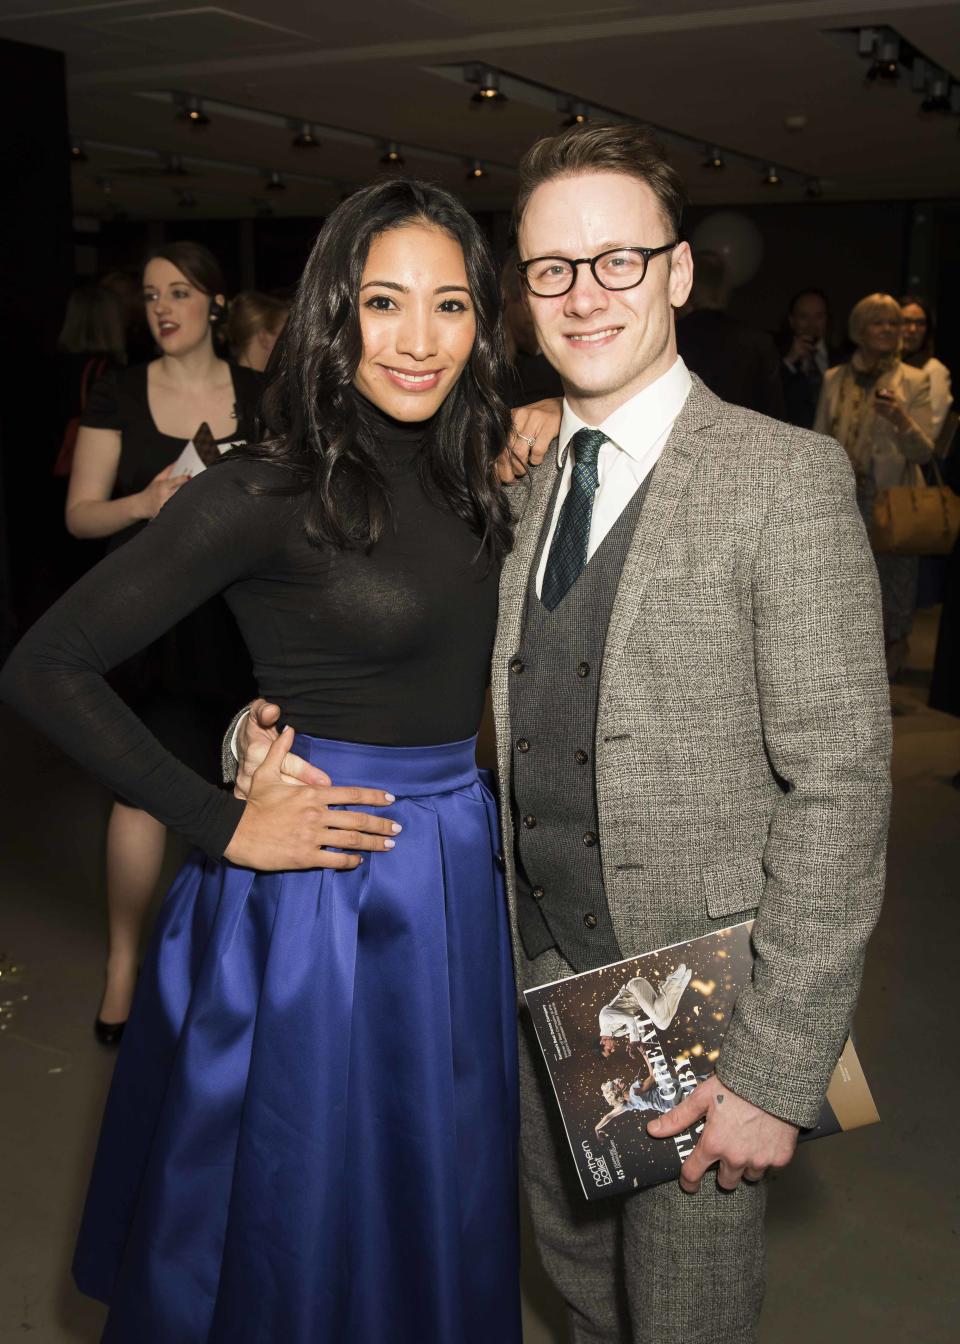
[[637, 434]]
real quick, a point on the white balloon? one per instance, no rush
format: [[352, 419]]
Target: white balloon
[[734, 237]]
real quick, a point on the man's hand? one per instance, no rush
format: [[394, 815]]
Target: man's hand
[[801, 348], [534, 429], [742, 1138], [255, 736], [283, 828]]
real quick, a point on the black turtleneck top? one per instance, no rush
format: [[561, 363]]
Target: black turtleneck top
[[390, 646]]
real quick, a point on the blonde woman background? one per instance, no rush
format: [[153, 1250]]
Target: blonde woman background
[[879, 409]]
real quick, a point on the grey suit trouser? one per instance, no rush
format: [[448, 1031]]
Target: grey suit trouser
[[655, 1267]]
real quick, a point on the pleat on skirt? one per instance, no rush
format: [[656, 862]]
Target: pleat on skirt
[[311, 1133]]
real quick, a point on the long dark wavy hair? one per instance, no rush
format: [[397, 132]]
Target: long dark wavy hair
[[311, 419]]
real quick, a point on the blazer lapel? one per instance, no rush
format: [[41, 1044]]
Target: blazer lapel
[[671, 477]]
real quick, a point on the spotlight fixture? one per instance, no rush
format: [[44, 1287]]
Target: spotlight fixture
[[813, 190], [391, 156], [193, 114], [305, 138], [578, 114], [886, 57], [488, 89], [173, 167], [771, 178], [476, 170], [275, 182], [77, 152], [186, 200], [714, 159], [263, 209], [105, 185], [937, 94]]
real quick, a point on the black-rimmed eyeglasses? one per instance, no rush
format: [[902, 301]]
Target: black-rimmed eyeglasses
[[619, 268]]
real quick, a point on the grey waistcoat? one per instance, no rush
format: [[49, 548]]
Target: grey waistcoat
[[554, 677]]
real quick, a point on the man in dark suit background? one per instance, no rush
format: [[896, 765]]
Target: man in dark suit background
[[737, 362], [806, 355]]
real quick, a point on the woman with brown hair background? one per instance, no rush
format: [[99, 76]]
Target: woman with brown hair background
[[136, 423], [254, 321]]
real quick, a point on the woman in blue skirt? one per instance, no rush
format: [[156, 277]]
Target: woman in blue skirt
[[311, 1132]]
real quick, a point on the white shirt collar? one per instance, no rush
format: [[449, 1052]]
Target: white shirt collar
[[636, 425]]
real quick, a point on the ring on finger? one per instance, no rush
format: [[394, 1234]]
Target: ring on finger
[[526, 438]]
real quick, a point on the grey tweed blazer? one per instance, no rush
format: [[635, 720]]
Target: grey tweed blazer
[[743, 733]]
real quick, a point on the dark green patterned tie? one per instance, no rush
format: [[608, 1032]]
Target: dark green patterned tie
[[568, 550]]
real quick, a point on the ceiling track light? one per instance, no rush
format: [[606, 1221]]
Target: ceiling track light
[[938, 93], [813, 190], [713, 159], [191, 111], [275, 182], [174, 167], [578, 114], [771, 178], [488, 90], [77, 152], [105, 185], [305, 137], [883, 45], [475, 171], [186, 200], [391, 156]]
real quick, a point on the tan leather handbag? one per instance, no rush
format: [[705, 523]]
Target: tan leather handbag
[[916, 518]]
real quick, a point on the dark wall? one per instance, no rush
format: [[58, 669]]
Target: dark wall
[[36, 271], [946, 294], [847, 250]]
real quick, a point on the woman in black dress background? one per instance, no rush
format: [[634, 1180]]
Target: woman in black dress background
[[133, 428]]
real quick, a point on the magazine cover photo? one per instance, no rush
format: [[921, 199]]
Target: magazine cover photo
[[630, 1041]]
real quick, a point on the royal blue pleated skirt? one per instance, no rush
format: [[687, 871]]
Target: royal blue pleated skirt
[[311, 1133]]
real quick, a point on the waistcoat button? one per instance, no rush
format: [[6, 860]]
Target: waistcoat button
[[517, 665], [590, 921], [538, 893], [589, 839], [581, 757], [522, 744], [583, 669], [530, 821]]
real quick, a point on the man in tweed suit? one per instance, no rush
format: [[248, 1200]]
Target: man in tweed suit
[[740, 747], [693, 728]]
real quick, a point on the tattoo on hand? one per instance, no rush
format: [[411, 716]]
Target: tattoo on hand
[[719, 1098]]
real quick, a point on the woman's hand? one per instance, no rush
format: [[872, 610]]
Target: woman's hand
[[283, 828], [890, 406], [534, 429], [161, 488]]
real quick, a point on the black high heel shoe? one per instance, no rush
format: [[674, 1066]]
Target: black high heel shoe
[[108, 1033]]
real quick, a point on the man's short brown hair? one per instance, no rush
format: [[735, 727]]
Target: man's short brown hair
[[630, 150]]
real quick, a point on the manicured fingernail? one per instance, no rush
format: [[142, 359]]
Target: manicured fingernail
[[396, 827], [391, 798], [389, 844]]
